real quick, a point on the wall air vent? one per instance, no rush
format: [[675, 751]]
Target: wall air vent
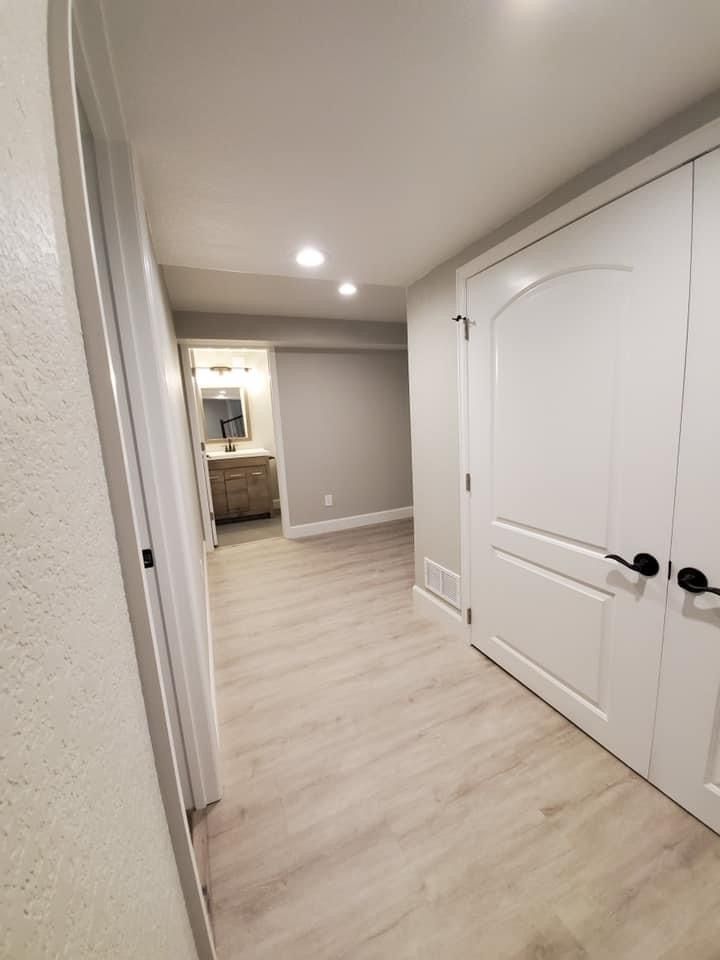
[[442, 582]]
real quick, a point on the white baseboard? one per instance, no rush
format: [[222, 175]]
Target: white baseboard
[[433, 608], [347, 523]]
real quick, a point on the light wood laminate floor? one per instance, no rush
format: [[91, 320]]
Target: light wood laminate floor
[[390, 793]]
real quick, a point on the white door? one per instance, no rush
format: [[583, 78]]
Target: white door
[[575, 374], [144, 349], [142, 528], [686, 751]]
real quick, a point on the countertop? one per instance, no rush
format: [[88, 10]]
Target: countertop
[[239, 454]]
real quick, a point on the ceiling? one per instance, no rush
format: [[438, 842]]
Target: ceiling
[[222, 291], [223, 356], [390, 133]]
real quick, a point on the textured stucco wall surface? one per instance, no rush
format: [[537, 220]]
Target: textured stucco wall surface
[[87, 865]]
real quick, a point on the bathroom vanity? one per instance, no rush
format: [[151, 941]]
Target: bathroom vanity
[[240, 485]]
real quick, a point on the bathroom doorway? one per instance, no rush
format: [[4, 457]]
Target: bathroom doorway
[[234, 432]]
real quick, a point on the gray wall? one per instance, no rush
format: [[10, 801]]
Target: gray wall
[[432, 350], [289, 331], [88, 867], [346, 431]]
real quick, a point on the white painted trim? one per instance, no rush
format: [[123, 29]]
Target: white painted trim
[[682, 151], [211, 650], [430, 607], [130, 253], [279, 445], [196, 442], [464, 459], [347, 523], [65, 74]]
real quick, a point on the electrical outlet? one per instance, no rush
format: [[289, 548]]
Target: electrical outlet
[[328, 499]]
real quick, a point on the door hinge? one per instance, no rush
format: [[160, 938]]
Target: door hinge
[[466, 324], [467, 482], [468, 615], [669, 569], [148, 558]]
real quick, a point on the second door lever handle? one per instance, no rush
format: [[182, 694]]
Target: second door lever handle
[[643, 563], [695, 581]]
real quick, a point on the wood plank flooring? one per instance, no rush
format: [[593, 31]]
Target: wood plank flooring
[[392, 794]]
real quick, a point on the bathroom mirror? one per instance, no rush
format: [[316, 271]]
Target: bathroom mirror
[[225, 413]]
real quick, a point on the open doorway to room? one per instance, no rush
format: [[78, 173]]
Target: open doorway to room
[[233, 433]]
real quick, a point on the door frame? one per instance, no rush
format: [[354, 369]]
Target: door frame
[[186, 345], [198, 447], [69, 70], [136, 297], [676, 154]]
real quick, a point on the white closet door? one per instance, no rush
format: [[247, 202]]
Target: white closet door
[[575, 370], [686, 750]]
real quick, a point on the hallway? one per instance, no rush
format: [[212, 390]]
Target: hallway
[[390, 793]]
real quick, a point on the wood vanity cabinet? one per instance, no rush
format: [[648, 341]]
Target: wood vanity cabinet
[[240, 487]]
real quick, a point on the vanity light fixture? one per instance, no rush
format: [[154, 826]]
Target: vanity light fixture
[[221, 376], [347, 289], [310, 257]]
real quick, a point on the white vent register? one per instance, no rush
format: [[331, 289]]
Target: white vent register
[[442, 582]]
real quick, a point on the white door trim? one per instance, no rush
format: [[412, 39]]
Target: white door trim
[[172, 543], [682, 151], [65, 73], [197, 443], [279, 445]]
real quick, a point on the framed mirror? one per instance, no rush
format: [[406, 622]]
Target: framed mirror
[[225, 413]]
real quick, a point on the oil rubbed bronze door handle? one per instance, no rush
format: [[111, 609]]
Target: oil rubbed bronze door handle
[[695, 581], [643, 563]]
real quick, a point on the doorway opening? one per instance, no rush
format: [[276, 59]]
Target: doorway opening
[[233, 431]]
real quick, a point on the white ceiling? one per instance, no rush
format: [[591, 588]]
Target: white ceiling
[[221, 291], [391, 133]]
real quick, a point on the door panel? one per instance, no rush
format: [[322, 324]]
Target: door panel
[[219, 495], [686, 750], [569, 645], [555, 385], [236, 485], [258, 492], [575, 371]]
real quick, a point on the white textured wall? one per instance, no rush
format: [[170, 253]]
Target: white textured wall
[[87, 866]]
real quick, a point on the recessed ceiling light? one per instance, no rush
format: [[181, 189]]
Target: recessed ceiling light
[[310, 257], [347, 289]]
